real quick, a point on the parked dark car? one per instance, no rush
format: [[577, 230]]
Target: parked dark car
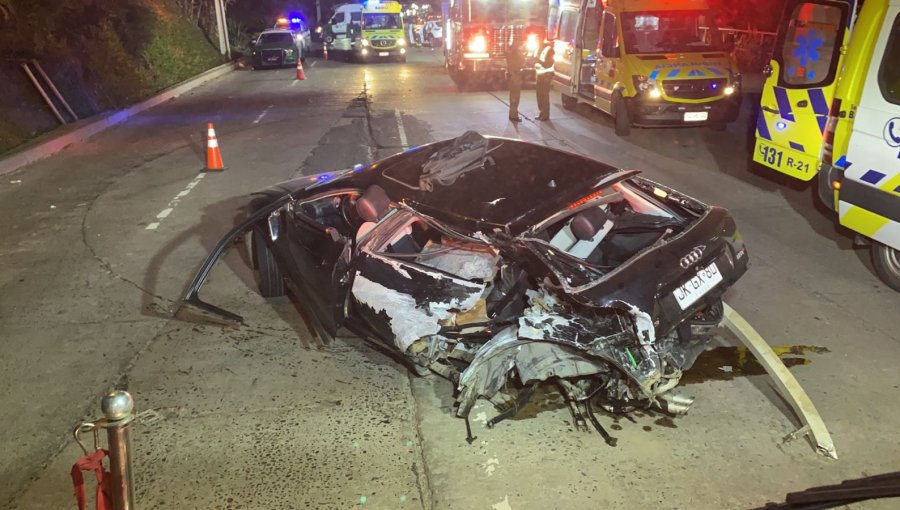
[[489, 260], [276, 48]]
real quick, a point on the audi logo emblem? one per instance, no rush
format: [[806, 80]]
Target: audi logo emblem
[[692, 257]]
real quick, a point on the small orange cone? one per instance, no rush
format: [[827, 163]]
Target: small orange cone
[[300, 74], [213, 155], [325, 51]]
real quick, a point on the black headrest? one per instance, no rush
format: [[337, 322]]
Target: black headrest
[[587, 223], [373, 204]]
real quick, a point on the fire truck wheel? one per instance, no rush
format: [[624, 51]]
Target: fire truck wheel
[[887, 264], [620, 113]]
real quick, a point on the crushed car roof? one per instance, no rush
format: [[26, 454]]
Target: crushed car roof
[[489, 181]]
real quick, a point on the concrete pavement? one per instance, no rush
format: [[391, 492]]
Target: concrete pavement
[[269, 417]]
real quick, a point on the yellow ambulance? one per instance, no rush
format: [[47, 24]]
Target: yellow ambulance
[[860, 176], [382, 35], [645, 62]]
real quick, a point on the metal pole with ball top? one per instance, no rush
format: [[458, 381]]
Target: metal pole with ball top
[[118, 408]]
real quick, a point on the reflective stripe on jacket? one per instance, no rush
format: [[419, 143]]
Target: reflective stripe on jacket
[[545, 64]]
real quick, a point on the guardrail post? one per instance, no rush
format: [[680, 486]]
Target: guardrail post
[[118, 407]]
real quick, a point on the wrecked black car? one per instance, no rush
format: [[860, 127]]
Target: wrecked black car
[[492, 261]]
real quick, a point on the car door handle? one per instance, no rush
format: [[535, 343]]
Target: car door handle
[[802, 103], [770, 110]]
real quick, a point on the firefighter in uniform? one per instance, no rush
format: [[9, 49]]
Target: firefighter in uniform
[[543, 70], [515, 60]]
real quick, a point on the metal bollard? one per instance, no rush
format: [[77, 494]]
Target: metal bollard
[[118, 408]]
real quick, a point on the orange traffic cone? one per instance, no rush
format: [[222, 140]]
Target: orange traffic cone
[[300, 74], [325, 51], [213, 155]]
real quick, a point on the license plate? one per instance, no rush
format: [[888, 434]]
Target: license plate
[[695, 116], [790, 162], [272, 59], [690, 291], [383, 53]]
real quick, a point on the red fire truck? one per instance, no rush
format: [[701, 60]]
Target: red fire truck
[[478, 34]]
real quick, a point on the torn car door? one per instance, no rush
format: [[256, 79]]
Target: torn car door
[[320, 260], [399, 296]]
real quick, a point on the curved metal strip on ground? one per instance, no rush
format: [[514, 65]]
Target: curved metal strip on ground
[[785, 381]]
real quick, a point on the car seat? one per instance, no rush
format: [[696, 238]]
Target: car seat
[[371, 206]]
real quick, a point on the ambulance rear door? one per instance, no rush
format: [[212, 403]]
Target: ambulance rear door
[[798, 91], [566, 60]]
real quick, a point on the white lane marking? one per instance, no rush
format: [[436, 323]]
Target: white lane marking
[[402, 131], [314, 64], [295, 82], [263, 114], [174, 203]]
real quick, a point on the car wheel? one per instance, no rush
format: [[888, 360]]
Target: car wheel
[[329, 39], [887, 264], [271, 280], [620, 111], [569, 102]]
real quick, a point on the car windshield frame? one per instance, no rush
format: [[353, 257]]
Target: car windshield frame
[[368, 18], [650, 38], [275, 38]]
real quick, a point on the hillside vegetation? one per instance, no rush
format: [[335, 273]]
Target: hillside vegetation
[[101, 54]]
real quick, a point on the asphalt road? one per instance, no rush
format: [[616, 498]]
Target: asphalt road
[[267, 416]]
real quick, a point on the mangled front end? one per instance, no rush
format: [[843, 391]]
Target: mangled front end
[[478, 311]]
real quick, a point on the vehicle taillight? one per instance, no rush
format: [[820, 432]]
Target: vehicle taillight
[[830, 128], [583, 200], [478, 44]]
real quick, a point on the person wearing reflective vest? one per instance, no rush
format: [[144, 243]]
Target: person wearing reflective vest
[[543, 70]]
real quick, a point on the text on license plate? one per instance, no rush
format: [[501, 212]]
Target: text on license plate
[[383, 54], [695, 116], [690, 291]]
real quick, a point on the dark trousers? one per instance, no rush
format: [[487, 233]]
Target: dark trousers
[[543, 95], [515, 92]]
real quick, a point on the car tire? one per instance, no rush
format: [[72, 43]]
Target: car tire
[[329, 39], [620, 114], [271, 280], [887, 264], [569, 102]]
